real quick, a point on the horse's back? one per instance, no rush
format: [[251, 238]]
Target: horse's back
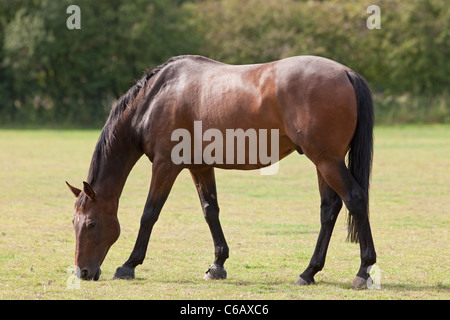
[[299, 96]]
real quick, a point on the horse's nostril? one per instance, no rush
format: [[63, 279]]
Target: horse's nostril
[[84, 273]]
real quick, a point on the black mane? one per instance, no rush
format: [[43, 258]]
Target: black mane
[[107, 135]]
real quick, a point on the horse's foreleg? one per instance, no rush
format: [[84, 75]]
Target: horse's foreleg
[[206, 186], [163, 177]]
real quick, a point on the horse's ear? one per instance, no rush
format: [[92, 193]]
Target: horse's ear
[[74, 190], [90, 193]]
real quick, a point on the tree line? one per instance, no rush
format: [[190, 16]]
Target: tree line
[[52, 74]]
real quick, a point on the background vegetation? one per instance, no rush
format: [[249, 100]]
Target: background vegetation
[[59, 77]]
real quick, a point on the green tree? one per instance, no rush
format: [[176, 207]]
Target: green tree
[[49, 73], [75, 75]]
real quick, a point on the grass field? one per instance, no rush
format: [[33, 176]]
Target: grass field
[[271, 224]]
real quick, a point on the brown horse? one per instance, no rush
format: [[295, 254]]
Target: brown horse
[[316, 106]]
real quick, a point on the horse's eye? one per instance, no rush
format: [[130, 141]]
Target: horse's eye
[[90, 225]]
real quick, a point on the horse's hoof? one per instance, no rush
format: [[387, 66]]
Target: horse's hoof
[[301, 282], [359, 283], [124, 272], [215, 272]]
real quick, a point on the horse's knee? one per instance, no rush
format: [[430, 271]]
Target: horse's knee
[[148, 219], [210, 211]]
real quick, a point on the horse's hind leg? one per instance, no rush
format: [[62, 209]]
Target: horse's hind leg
[[330, 207], [339, 178], [206, 186]]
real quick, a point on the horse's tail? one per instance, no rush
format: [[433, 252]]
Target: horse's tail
[[361, 147]]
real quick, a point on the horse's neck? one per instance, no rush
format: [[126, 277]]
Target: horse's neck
[[115, 165]]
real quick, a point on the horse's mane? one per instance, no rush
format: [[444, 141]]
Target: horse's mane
[[107, 135]]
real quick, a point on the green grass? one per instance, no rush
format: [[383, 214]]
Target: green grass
[[271, 224]]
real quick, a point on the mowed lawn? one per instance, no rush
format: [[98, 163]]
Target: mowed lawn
[[271, 224]]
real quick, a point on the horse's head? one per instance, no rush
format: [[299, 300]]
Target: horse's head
[[96, 229]]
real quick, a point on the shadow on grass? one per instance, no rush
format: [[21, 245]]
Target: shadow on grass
[[439, 287]]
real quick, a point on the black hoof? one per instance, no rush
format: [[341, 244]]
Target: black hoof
[[215, 272], [124, 272]]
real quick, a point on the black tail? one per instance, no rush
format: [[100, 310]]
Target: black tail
[[361, 147]]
